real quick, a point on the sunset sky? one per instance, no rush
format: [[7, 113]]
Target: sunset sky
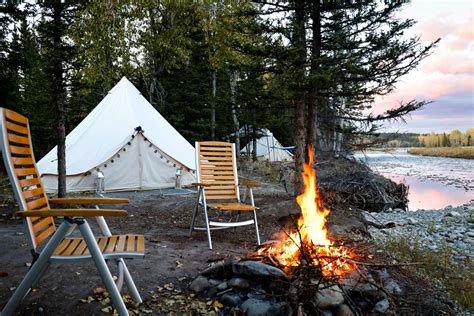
[[446, 77]]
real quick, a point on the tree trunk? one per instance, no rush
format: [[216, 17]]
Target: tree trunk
[[59, 96], [233, 91], [213, 105], [314, 100], [254, 134], [299, 99]]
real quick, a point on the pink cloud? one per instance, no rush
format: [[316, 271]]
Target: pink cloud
[[435, 28], [466, 30], [449, 63], [427, 88]]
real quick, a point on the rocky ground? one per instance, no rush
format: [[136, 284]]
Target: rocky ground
[[451, 227]]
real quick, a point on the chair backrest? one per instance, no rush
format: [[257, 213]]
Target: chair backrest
[[216, 166], [19, 160]]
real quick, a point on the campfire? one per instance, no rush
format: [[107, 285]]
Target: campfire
[[310, 245]]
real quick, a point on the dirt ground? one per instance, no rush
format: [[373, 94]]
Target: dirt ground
[[171, 255]]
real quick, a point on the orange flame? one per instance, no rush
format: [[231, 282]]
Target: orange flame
[[312, 233]]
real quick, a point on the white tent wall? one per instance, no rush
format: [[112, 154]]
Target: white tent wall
[[138, 167]]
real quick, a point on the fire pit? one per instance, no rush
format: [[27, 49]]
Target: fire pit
[[310, 245]]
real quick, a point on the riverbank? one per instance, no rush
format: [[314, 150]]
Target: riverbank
[[439, 243], [449, 152]]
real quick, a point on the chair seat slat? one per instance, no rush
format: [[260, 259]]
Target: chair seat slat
[[111, 244]]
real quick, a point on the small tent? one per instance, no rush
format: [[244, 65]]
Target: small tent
[[268, 148], [128, 142]]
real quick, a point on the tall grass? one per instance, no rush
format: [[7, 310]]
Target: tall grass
[[455, 277], [452, 152]]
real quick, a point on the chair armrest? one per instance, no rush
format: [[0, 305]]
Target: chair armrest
[[250, 184], [200, 184], [72, 213], [63, 201]]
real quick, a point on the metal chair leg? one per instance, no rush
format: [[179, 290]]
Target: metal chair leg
[[195, 211], [39, 267], [102, 267], [124, 274], [252, 201], [130, 284], [256, 226], [208, 229]]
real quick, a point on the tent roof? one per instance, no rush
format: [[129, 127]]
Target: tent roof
[[270, 147], [110, 125]]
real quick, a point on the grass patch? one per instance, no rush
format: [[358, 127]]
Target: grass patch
[[456, 278], [452, 152]]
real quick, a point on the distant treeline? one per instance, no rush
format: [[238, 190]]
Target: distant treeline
[[455, 138]]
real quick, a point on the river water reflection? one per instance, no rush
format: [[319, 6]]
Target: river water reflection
[[434, 182]]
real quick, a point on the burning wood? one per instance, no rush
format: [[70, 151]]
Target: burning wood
[[311, 244]]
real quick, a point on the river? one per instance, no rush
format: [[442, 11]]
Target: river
[[435, 182]]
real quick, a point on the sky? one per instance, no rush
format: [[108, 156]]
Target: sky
[[446, 77]]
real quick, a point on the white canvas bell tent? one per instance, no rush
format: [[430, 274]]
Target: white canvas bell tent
[[128, 141], [268, 148]]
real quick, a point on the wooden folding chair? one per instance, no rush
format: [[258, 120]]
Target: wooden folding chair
[[218, 183], [51, 244]]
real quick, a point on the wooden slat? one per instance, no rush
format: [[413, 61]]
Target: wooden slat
[[120, 246], [15, 117], [20, 150], [36, 203], [130, 243], [72, 247], [220, 192], [111, 245], [203, 153], [81, 248], [74, 212], [63, 201], [23, 172], [18, 139], [220, 197], [102, 243], [214, 187], [206, 177], [23, 161], [29, 182], [216, 173], [32, 193], [233, 206], [212, 158], [220, 182], [214, 143], [216, 163], [41, 225], [141, 244], [17, 128], [217, 168], [44, 235], [62, 246]]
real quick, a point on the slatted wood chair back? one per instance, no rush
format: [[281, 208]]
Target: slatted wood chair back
[[19, 160], [217, 168]]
